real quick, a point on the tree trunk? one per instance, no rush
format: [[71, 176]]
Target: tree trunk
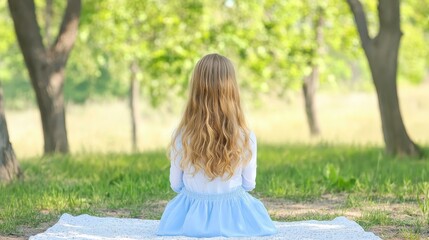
[[134, 105], [9, 168], [309, 89], [51, 104], [311, 82], [383, 65], [382, 55], [46, 66]]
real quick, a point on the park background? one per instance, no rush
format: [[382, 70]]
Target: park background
[[125, 87]]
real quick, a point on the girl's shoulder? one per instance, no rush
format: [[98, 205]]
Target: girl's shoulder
[[176, 138], [252, 137], [252, 134]]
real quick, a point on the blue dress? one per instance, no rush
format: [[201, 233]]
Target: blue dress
[[233, 214]]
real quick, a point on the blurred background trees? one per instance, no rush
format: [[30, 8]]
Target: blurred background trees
[[144, 51]]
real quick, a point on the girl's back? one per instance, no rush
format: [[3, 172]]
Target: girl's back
[[199, 182]]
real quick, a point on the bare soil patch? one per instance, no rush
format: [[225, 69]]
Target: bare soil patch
[[25, 232], [406, 213]]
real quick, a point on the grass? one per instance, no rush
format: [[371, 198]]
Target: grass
[[302, 172], [136, 185], [376, 217]]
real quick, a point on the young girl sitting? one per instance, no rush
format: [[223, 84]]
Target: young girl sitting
[[213, 161]]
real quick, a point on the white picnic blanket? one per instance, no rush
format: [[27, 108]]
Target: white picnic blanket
[[86, 227]]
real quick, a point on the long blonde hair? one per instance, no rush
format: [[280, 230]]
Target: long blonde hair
[[213, 132]]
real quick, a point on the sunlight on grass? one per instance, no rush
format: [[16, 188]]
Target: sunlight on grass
[[376, 217]]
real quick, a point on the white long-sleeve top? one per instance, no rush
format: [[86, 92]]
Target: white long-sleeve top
[[244, 176]]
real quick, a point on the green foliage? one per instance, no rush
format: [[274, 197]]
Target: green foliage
[[335, 181], [414, 52], [271, 42], [160, 39], [13, 78]]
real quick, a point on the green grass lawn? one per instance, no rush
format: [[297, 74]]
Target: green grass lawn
[[386, 195]]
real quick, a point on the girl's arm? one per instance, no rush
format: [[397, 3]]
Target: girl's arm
[[176, 173], [249, 171]]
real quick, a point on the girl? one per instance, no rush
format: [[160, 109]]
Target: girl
[[213, 161]]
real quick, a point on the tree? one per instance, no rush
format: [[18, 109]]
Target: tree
[[382, 54], [46, 66], [9, 168], [311, 81], [134, 100]]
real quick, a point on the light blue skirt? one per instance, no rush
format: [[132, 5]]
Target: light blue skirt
[[234, 214]]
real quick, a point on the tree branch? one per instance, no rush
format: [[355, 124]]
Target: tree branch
[[68, 30], [27, 30], [361, 22], [389, 15]]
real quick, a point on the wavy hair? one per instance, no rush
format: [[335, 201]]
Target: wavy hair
[[213, 130]]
